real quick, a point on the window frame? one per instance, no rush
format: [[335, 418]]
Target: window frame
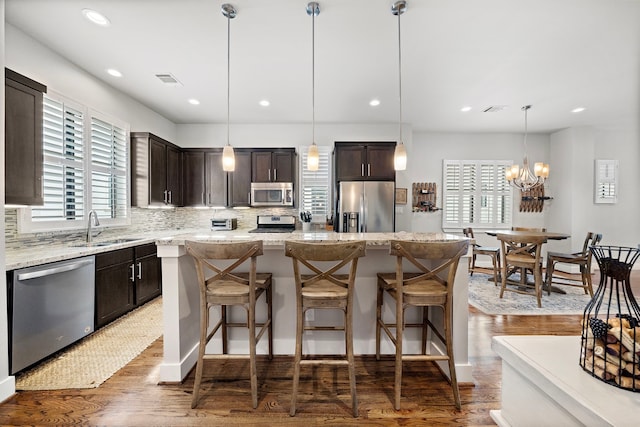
[[498, 187], [26, 224]]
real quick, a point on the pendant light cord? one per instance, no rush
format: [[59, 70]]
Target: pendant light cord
[[228, 71], [313, 77], [400, 76]]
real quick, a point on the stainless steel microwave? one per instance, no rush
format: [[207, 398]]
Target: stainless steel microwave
[[271, 194]]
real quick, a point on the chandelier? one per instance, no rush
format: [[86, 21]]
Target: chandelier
[[521, 177]]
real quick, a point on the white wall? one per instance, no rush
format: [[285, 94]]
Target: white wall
[[27, 56]]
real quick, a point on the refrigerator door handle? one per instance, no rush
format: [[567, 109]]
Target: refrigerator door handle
[[363, 215]]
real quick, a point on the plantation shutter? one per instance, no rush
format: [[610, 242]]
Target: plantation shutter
[[63, 163], [606, 181], [315, 195]]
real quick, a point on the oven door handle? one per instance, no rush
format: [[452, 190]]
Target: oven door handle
[[54, 270]]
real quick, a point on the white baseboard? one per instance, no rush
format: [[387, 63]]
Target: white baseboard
[[7, 388]]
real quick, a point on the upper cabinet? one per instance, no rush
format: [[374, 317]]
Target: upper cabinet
[[364, 161], [23, 140], [268, 165], [240, 179], [156, 171], [204, 181]]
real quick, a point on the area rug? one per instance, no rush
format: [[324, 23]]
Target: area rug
[[485, 296], [94, 359]]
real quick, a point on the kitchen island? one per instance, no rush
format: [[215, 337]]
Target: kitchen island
[[181, 301]]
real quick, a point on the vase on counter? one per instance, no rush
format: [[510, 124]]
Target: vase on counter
[[306, 227], [610, 339]]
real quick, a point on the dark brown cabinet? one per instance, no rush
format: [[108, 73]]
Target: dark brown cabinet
[[240, 179], [361, 161], [205, 183], [23, 140], [273, 165], [156, 171], [125, 279]]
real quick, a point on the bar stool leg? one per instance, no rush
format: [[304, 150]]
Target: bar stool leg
[[298, 357], [204, 323], [398, 370], [378, 320], [452, 366], [348, 332], [269, 297]]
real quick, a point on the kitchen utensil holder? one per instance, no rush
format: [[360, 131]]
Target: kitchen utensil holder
[[610, 339]]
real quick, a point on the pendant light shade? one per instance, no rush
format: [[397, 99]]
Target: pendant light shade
[[228, 156], [313, 157], [400, 154]]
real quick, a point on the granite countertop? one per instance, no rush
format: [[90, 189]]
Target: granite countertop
[[29, 257]]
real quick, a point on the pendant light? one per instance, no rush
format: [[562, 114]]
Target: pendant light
[[228, 156], [400, 154], [522, 178], [313, 158]]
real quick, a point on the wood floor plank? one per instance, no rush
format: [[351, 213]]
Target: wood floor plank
[[132, 397]]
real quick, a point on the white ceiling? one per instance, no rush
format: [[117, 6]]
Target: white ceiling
[[553, 54]]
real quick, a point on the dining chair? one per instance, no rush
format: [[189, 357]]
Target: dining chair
[[222, 285], [524, 253], [581, 259], [321, 287], [431, 286], [492, 252]]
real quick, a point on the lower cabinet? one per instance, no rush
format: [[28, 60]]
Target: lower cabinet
[[125, 279]]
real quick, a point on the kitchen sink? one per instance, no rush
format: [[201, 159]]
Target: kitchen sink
[[103, 243]]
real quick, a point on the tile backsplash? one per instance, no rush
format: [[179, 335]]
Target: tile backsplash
[[143, 221]]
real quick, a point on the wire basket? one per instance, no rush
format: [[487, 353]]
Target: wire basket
[[610, 342]]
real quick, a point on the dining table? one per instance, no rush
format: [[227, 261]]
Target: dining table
[[550, 235]]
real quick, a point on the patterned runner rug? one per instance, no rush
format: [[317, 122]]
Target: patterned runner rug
[[486, 297], [91, 361]]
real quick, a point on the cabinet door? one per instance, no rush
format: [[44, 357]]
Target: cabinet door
[[216, 179], [157, 172], [282, 166], [350, 162], [174, 176], [148, 270], [380, 162], [23, 144], [114, 285], [193, 190], [261, 166], [240, 180]]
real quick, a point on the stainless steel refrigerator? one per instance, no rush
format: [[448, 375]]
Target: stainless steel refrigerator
[[366, 206]]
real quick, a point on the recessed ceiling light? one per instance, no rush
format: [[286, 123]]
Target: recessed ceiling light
[[194, 101], [114, 72], [578, 110], [264, 103], [374, 102], [465, 109], [96, 17]]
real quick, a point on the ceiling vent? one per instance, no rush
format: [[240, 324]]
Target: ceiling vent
[[494, 108], [168, 79]]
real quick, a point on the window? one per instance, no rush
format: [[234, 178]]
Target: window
[[315, 194], [476, 193], [86, 166], [606, 181]]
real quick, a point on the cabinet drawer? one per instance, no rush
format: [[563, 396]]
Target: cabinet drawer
[[144, 250], [119, 256]]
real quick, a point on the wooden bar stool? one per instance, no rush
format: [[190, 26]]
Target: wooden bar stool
[[223, 286], [432, 286], [323, 288], [493, 253], [581, 259]]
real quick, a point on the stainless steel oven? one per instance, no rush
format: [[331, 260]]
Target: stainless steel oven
[[271, 194]]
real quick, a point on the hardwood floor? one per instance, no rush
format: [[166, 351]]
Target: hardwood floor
[[132, 396]]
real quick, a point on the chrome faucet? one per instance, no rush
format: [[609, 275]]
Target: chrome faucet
[[95, 222]]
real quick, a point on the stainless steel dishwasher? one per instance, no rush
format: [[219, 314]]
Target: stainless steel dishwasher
[[51, 306]]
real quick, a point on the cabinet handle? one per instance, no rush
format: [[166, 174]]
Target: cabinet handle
[[269, 174], [275, 174], [202, 198], [368, 169], [165, 196], [170, 198], [361, 169], [133, 272], [140, 270]]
